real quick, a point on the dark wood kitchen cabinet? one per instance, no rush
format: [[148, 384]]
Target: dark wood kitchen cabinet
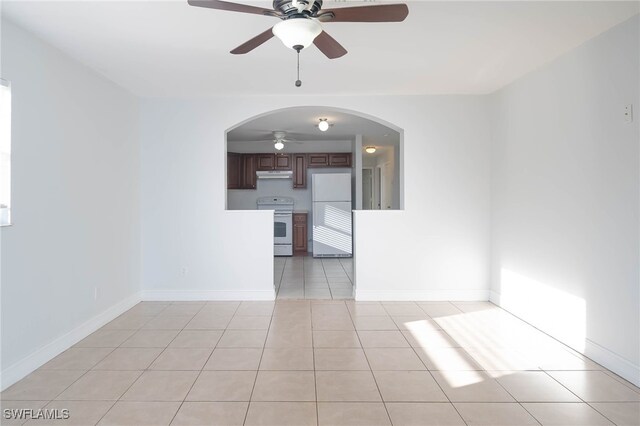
[[234, 170], [342, 159], [273, 162], [300, 233], [318, 160], [282, 162], [241, 168], [299, 171], [249, 166], [265, 162]]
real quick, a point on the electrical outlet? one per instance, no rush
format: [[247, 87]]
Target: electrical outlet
[[628, 113], [184, 271], [95, 293]]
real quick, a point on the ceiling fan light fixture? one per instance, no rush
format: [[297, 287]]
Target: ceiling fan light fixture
[[297, 32], [323, 125], [278, 145], [370, 149]]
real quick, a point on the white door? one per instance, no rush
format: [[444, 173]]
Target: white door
[[332, 229], [331, 187]]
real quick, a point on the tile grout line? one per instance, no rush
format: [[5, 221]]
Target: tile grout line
[[141, 371], [415, 349], [154, 360], [576, 395], [427, 367], [313, 356], [304, 285], [514, 398], [280, 281], [91, 369], [370, 369], [203, 365], [326, 278], [255, 380], [602, 414]]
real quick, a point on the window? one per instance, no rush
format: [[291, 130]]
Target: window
[[5, 153]]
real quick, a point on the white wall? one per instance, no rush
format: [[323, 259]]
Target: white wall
[[565, 199], [437, 248], [75, 203]]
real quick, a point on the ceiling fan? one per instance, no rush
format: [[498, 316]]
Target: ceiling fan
[[279, 139], [300, 22]]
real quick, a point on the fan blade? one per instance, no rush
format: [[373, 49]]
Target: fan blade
[[329, 46], [253, 43], [377, 13], [232, 7]]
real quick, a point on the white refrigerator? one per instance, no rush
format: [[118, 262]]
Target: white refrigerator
[[331, 201]]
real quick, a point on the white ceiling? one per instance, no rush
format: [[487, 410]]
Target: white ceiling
[[169, 49]]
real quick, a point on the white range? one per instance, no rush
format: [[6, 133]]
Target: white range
[[282, 223]]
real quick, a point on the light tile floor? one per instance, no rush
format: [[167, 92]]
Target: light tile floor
[[323, 363], [313, 278]]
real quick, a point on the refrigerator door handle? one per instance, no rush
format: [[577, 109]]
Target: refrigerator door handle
[[313, 212]]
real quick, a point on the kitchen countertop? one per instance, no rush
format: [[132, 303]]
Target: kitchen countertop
[[301, 212]]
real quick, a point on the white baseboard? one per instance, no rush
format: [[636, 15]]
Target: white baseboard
[[198, 295], [36, 359], [612, 361], [603, 356], [423, 295]]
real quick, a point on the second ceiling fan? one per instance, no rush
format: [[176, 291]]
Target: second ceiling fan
[[300, 25]]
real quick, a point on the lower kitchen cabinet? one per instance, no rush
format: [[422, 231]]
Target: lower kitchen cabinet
[[300, 233]]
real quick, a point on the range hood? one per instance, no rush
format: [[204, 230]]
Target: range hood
[[275, 174]]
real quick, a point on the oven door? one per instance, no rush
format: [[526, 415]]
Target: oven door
[[282, 228]]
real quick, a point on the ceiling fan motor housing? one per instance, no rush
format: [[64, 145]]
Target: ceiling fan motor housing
[[290, 11]]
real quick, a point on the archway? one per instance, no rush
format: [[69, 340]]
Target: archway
[[277, 161]]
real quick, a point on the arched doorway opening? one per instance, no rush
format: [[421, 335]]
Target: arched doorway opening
[[313, 178]]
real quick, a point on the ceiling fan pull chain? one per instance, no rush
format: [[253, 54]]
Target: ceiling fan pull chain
[[298, 82]]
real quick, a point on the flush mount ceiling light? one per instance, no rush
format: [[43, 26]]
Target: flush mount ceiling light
[[323, 125], [297, 33], [370, 149], [278, 145]]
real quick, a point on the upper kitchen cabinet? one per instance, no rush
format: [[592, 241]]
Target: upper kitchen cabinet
[[242, 168], [342, 159], [265, 162], [299, 171], [273, 162], [318, 160], [249, 166], [241, 171], [234, 170], [282, 162]]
